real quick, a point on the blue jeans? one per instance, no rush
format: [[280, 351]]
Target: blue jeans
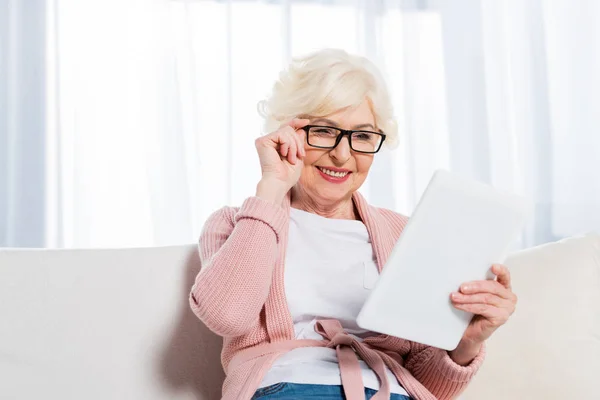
[[300, 391]]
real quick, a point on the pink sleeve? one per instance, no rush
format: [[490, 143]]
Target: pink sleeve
[[237, 253], [434, 368]]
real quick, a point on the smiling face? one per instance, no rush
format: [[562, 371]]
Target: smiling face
[[330, 176]]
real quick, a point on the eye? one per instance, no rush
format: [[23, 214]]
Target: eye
[[320, 131], [363, 136]]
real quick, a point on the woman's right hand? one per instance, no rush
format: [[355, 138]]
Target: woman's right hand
[[281, 155]]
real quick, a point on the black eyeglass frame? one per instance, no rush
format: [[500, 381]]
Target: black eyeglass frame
[[343, 132]]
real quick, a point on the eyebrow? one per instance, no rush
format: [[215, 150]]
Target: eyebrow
[[334, 124]]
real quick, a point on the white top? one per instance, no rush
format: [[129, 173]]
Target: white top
[[329, 272]]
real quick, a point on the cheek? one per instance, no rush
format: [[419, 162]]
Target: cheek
[[363, 164], [312, 157], [307, 170]]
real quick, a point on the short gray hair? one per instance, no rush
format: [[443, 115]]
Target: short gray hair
[[327, 81]]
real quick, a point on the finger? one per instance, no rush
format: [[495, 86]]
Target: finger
[[486, 311], [486, 287], [270, 140], [299, 137], [298, 123], [284, 148], [274, 139], [258, 143], [297, 147], [293, 149], [482, 298], [502, 274]]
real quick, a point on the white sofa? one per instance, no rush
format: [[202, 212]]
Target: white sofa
[[115, 324]]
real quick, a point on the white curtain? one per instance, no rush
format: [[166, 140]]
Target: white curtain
[[22, 130], [150, 108]]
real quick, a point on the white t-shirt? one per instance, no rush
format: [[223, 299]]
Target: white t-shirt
[[329, 272]]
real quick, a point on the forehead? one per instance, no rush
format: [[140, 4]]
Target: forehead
[[352, 116]]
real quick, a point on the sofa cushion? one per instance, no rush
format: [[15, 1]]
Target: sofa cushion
[[550, 348]]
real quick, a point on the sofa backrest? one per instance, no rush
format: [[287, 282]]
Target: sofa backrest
[[115, 324], [104, 324]]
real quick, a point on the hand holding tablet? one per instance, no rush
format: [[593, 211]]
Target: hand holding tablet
[[458, 231]]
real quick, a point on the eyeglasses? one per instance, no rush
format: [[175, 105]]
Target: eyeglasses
[[328, 137]]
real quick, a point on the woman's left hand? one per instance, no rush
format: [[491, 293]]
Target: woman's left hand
[[492, 302]]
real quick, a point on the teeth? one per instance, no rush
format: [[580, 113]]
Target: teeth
[[333, 173]]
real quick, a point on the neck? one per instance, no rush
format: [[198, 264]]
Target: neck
[[343, 209]]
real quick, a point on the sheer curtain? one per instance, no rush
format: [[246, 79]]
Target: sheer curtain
[[150, 107], [22, 110]]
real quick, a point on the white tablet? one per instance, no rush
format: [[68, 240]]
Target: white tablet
[[458, 230]]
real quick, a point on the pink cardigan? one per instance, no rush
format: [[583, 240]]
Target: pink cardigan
[[239, 294]]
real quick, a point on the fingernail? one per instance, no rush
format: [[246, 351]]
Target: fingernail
[[465, 288]]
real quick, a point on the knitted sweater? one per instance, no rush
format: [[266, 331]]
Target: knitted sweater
[[239, 294]]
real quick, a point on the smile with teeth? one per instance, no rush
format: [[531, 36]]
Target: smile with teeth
[[333, 173]]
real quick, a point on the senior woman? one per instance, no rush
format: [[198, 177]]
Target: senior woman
[[284, 276]]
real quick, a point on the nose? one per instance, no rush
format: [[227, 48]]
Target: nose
[[342, 151]]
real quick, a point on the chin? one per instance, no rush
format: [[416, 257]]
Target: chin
[[332, 194]]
